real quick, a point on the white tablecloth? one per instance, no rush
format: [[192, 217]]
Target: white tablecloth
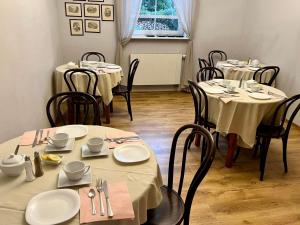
[[143, 181]]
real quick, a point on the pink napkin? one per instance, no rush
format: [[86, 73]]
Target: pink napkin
[[28, 136], [121, 204], [119, 134]]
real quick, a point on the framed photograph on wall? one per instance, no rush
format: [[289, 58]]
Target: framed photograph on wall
[[91, 10], [76, 27], [73, 9], [92, 26], [107, 12]]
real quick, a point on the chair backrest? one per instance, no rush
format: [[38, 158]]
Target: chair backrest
[[132, 69], [99, 56], [282, 110], [62, 106], [200, 103], [208, 157], [215, 55], [203, 63], [261, 74], [92, 80], [209, 73]]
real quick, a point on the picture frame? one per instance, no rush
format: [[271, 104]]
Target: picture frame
[[92, 26], [91, 10], [107, 12], [96, 0], [73, 9], [76, 27]]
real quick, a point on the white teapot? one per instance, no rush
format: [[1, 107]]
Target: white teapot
[[12, 165]]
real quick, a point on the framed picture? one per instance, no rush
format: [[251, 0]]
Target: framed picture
[[91, 10], [92, 26], [107, 12], [96, 0], [76, 27], [73, 9]]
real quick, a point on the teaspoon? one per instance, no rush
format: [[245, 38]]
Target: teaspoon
[[91, 195]]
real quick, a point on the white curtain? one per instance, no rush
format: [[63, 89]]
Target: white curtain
[[127, 12], [186, 11]]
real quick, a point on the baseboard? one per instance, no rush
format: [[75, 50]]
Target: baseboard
[[149, 88]]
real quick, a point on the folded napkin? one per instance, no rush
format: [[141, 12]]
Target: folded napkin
[[122, 134], [121, 204], [28, 136]]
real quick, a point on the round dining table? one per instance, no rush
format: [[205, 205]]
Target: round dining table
[[142, 179], [109, 76], [238, 115]]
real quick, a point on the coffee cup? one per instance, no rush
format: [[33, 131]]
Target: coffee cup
[[95, 144], [251, 83], [231, 88], [255, 63], [59, 140], [255, 88], [226, 83], [75, 170]]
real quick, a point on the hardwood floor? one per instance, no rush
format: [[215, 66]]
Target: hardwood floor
[[227, 196]]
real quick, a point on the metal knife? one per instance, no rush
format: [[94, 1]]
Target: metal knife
[[108, 205], [35, 138]]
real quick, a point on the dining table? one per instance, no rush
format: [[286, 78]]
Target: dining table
[[237, 115], [143, 179], [109, 76]]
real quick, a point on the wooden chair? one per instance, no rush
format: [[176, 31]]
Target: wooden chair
[[212, 55], [203, 63], [125, 91], [99, 56], [173, 210], [72, 108], [260, 74], [209, 73]]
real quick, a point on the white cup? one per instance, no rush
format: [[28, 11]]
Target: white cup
[[59, 140], [75, 170], [255, 63], [255, 88], [226, 82], [231, 88], [95, 144]]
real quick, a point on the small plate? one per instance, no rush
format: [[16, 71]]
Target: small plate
[[63, 180], [259, 96], [52, 207], [86, 153], [50, 162], [67, 148], [74, 131], [213, 91], [131, 153]]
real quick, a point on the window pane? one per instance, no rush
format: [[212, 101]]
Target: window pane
[[148, 7], [165, 7], [167, 24], [145, 24]]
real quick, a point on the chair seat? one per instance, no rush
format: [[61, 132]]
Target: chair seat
[[270, 131], [169, 212], [120, 89]]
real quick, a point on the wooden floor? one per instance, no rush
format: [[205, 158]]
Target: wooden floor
[[227, 196]]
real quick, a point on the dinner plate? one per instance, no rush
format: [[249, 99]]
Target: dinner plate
[[52, 207], [213, 90], [131, 153], [112, 67], [260, 96], [74, 131]]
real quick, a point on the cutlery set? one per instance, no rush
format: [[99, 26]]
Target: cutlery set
[[38, 138]]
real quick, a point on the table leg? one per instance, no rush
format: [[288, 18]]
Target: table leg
[[107, 113], [232, 143]]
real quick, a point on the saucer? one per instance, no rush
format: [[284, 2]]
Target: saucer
[[63, 180], [68, 147], [86, 153]]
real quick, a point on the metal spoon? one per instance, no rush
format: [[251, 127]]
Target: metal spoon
[[91, 195]]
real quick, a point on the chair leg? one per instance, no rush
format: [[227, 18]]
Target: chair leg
[[203, 152], [191, 141], [111, 106], [284, 146], [238, 150], [217, 139], [256, 147], [263, 156], [128, 100]]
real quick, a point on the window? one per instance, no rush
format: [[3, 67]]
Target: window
[[158, 18]]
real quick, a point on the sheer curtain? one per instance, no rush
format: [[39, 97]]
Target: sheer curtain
[[186, 10], [127, 12]]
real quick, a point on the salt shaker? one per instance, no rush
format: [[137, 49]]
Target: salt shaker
[[29, 170], [38, 165]]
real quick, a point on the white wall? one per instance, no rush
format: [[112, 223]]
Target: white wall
[[29, 53]]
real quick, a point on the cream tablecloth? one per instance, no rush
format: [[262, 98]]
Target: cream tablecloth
[[107, 80], [143, 180], [241, 115]]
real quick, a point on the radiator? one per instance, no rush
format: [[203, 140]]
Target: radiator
[[158, 69]]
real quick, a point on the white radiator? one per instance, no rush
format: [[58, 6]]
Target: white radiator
[[157, 69]]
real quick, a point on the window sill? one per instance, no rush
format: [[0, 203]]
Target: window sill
[[159, 38]]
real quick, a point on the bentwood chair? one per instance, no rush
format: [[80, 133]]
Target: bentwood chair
[[125, 91], [94, 55], [63, 109], [215, 55], [260, 74], [203, 63], [209, 73], [173, 210]]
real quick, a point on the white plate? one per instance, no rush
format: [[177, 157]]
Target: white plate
[[50, 162], [63, 180], [52, 207], [67, 148], [74, 131], [213, 91], [259, 96], [86, 153], [131, 153], [112, 67]]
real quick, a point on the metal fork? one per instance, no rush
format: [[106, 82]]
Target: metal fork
[[99, 189], [41, 137]]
